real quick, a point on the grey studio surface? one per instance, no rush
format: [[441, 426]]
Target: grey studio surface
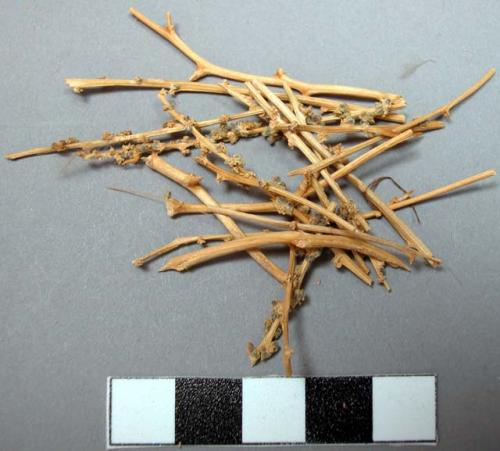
[[73, 309]]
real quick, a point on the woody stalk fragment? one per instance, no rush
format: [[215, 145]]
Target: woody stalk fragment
[[319, 216]]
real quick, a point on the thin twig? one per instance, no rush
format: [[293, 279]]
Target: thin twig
[[176, 243], [299, 239], [142, 137], [159, 165], [81, 85], [176, 207], [438, 192], [293, 225], [287, 301], [372, 153], [205, 68]]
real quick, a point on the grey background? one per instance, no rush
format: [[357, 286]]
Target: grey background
[[73, 310]]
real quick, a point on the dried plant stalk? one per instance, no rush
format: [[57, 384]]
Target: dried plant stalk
[[339, 157], [253, 182], [175, 207], [121, 138], [293, 225], [298, 239], [318, 149], [175, 244], [205, 68], [361, 262], [159, 165], [444, 110], [256, 90], [438, 192], [397, 223], [296, 114], [341, 259], [287, 302], [376, 151], [81, 85], [378, 266]]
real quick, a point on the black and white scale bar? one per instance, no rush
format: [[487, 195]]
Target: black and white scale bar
[[271, 410]]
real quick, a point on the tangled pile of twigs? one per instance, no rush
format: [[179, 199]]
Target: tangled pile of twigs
[[318, 216]]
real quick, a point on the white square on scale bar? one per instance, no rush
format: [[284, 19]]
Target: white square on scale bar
[[273, 410], [404, 408], [142, 411]]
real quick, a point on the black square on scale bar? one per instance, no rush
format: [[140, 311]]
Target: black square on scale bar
[[208, 411], [339, 410]]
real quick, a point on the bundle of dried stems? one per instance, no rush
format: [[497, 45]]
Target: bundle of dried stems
[[319, 215]]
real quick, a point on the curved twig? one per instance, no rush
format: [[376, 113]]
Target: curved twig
[[205, 68]]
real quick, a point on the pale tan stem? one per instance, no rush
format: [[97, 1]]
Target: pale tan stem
[[413, 124], [445, 109], [434, 193], [299, 239], [192, 126], [341, 259], [383, 130], [266, 346], [240, 211], [80, 85], [397, 118], [428, 126], [338, 129], [356, 244], [156, 163], [312, 228], [242, 97], [94, 144], [257, 96], [308, 138], [304, 267], [256, 90], [205, 68], [292, 225], [342, 223], [253, 182], [323, 164], [361, 262], [185, 179], [320, 192], [379, 268], [257, 219], [175, 207], [372, 153], [396, 222], [287, 301], [119, 139], [175, 244], [295, 104]]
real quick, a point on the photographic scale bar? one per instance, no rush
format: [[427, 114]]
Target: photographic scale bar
[[271, 410]]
